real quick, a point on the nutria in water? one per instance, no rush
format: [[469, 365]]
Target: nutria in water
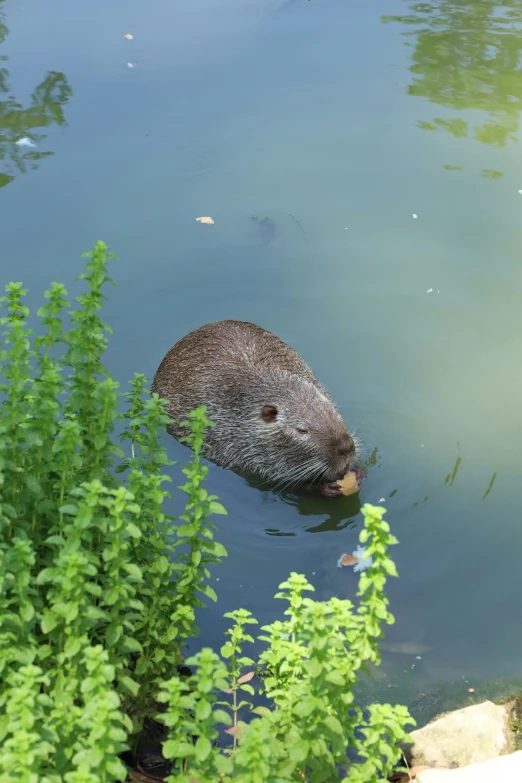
[[273, 418]]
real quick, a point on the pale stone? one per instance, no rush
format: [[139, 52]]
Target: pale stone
[[504, 769], [463, 737]]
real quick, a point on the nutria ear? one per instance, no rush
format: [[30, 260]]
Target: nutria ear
[[269, 413]]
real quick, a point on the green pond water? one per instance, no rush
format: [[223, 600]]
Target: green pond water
[[381, 139]]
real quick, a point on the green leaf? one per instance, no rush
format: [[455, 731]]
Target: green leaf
[[208, 591], [162, 564], [59, 540], [335, 677], [178, 749], [225, 765], [203, 748], [49, 622], [227, 650], [130, 685], [128, 644], [47, 575], [334, 725], [26, 611], [220, 716], [216, 548], [216, 508], [111, 596], [315, 668], [72, 646], [133, 571], [112, 634], [133, 530], [203, 710], [100, 440], [298, 751], [44, 651], [32, 484], [185, 531]]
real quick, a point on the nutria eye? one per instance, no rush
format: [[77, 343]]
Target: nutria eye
[[301, 431]]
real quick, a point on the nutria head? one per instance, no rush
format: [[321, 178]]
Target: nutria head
[[296, 435]]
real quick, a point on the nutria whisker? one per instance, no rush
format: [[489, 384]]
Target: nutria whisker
[[309, 479], [273, 418], [292, 476], [301, 476]]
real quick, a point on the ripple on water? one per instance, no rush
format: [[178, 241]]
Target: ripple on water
[[196, 158]]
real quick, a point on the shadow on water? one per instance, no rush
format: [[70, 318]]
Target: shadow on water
[[19, 125], [467, 55], [341, 511], [328, 514]]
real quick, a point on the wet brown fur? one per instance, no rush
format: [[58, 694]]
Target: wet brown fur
[[273, 418]]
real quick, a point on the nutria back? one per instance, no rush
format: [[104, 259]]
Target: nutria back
[[273, 418]]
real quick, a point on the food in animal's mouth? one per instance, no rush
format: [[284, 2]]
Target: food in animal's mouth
[[348, 483]]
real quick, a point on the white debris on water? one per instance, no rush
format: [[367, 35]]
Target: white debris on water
[[25, 141], [414, 216], [363, 561], [130, 65]]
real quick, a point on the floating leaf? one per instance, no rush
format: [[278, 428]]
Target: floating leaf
[[246, 678], [128, 36], [205, 220], [348, 483], [347, 560]]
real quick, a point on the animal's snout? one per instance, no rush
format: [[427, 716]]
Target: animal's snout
[[346, 448]]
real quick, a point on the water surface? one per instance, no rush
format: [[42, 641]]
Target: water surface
[[382, 142]]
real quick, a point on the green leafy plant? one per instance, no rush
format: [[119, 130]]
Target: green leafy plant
[[95, 603], [311, 664], [99, 587]]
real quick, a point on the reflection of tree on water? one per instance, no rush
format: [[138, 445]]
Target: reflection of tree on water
[[468, 56], [16, 122]]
